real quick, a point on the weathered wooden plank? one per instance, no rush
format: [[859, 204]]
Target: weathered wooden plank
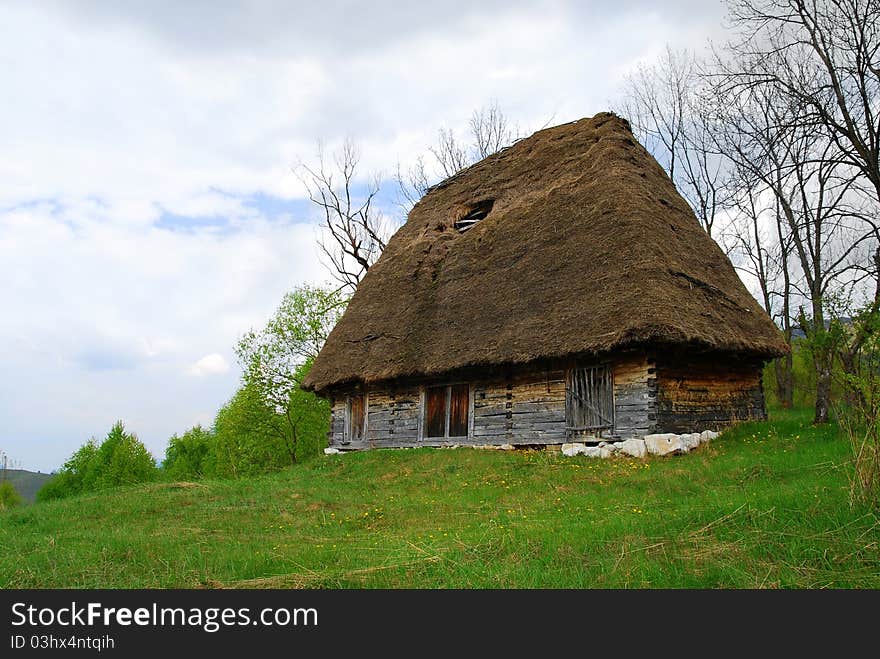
[[489, 429], [694, 393], [337, 421], [554, 401], [632, 409], [385, 416], [633, 375], [396, 442], [484, 432], [394, 439], [529, 421], [635, 407], [537, 409], [624, 416], [540, 390], [538, 439], [644, 394]]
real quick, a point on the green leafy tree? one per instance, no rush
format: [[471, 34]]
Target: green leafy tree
[[276, 359], [77, 475], [856, 335], [9, 496], [306, 419], [293, 336], [121, 459], [186, 456], [244, 443], [59, 486]]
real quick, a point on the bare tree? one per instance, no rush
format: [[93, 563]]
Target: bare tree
[[412, 183], [761, 248], [817, 199], [818, 62], [664, 105], [489, 131], [451, 155], [824, 57], [704, 180], [655, 101], [354, 231], [784, 366]]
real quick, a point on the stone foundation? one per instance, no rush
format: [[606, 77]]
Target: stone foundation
[[657, 444]]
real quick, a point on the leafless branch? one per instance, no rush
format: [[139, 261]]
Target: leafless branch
[[354, 231]]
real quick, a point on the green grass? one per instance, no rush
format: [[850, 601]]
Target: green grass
[[764, 506]]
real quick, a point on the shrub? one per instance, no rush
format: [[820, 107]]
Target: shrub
[[78, 474], [187, 456], [121, 459], [9, 496], [858, 410], [62, 484], [244, 439], [250, 437]]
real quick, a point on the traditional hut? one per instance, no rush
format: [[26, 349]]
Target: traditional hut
[[560, 290]]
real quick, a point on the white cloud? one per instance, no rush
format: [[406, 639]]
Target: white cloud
[[213, 364]]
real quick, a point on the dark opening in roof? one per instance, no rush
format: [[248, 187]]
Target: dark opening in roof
[[477, 212]]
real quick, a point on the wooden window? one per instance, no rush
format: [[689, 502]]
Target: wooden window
[[589, 399], [357, 414], [447, 411]]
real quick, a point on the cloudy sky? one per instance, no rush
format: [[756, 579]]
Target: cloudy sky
[[148, 211]]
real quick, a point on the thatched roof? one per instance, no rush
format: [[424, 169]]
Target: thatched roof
[[587, 247]]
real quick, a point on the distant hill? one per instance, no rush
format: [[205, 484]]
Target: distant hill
[[27, 483]]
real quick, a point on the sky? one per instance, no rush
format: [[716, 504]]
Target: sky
[[149, 210]]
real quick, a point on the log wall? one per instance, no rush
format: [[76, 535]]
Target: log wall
[[525, 406], [635, 397], [707, 393]]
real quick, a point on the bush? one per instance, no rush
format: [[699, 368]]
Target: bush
[[245, 441], [312, 414], [803, 376], [9, 496], [79, 474], [249, 437], [62, 484], [121, 459], [187, 456], [858, 410]]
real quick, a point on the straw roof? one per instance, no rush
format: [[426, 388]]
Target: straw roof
[[587, 247]]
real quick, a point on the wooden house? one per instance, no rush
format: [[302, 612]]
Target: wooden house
[[560, 290]]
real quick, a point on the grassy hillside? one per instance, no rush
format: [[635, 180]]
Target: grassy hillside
[[765, 506], [27, 483]]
